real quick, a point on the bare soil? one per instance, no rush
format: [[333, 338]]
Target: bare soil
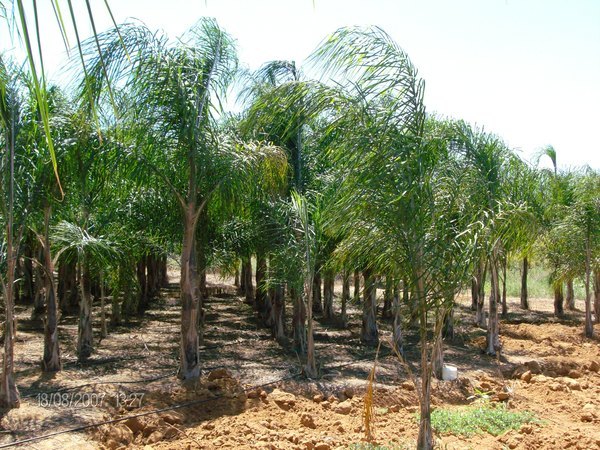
[[251, 394]]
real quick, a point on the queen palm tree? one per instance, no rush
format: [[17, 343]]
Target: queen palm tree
[[11, 106], [391, 205], [173, 131]]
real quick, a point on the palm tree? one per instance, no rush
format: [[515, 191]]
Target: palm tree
[[91, 255], [39, 193], [172, 128], [391, 207], [10, 116], [504, 219]]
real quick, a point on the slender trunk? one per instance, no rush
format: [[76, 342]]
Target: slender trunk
[[589, 325], [278, 312], [316, 297], [386, 311], [493, 332], [236, 278], [247, 274], [85, 343], [356, 287], [51, 360], [9, 395], [524, 293], [328, 286], [299, 321], [504, 305], [29, 281], [310, 369], [242, 281], [164, 274], [17, 286], [261, 277], [369, 332], [558, 300], [190, 303], [152, 276], [480, 318], [425, 437], [437, 357], [397, 337], [143, 284], [345, 298], [39, 288], [103, 329], [570, 295], [116, 316], [474, 292], [597, 295], [449, 321], [130, 298]]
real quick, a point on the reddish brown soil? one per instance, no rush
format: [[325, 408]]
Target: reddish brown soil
[[547, 366]]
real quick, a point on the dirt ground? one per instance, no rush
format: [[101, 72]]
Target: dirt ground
[[251, 394]]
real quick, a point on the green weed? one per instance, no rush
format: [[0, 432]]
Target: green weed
[[475, 420]]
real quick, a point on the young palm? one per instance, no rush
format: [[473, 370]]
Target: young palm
[[394, 205]]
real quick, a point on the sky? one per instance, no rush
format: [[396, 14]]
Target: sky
[[526, 70]]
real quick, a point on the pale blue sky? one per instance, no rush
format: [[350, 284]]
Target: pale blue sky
[[528, 70]]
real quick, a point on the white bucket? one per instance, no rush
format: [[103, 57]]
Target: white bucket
[[449, 373]]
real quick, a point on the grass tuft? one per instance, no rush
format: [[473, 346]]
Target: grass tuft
[[369, 446], [483, 419]]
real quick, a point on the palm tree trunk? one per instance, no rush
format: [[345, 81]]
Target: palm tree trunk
[[143, 284], [242, 280], [425, 438], [51, 360], [29, 288], [236, 278], [247, 275], [261, 276], [345, 298], [558, 300], [310, 369], [85, 343], [316, 297], [589, 325], [437, 357], [474, 292], [103, 329], [9, 395], [278, 311], [39, 286], [190, 315], [449, 321], [356, 287], [524, 293], [116, 316], [480, 318], [369, 333], [388, 296], [328, 286], [299, 321], [493, 332], [504, 305], [397, 337], [570, 295], [597, 295], [164, 274]]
